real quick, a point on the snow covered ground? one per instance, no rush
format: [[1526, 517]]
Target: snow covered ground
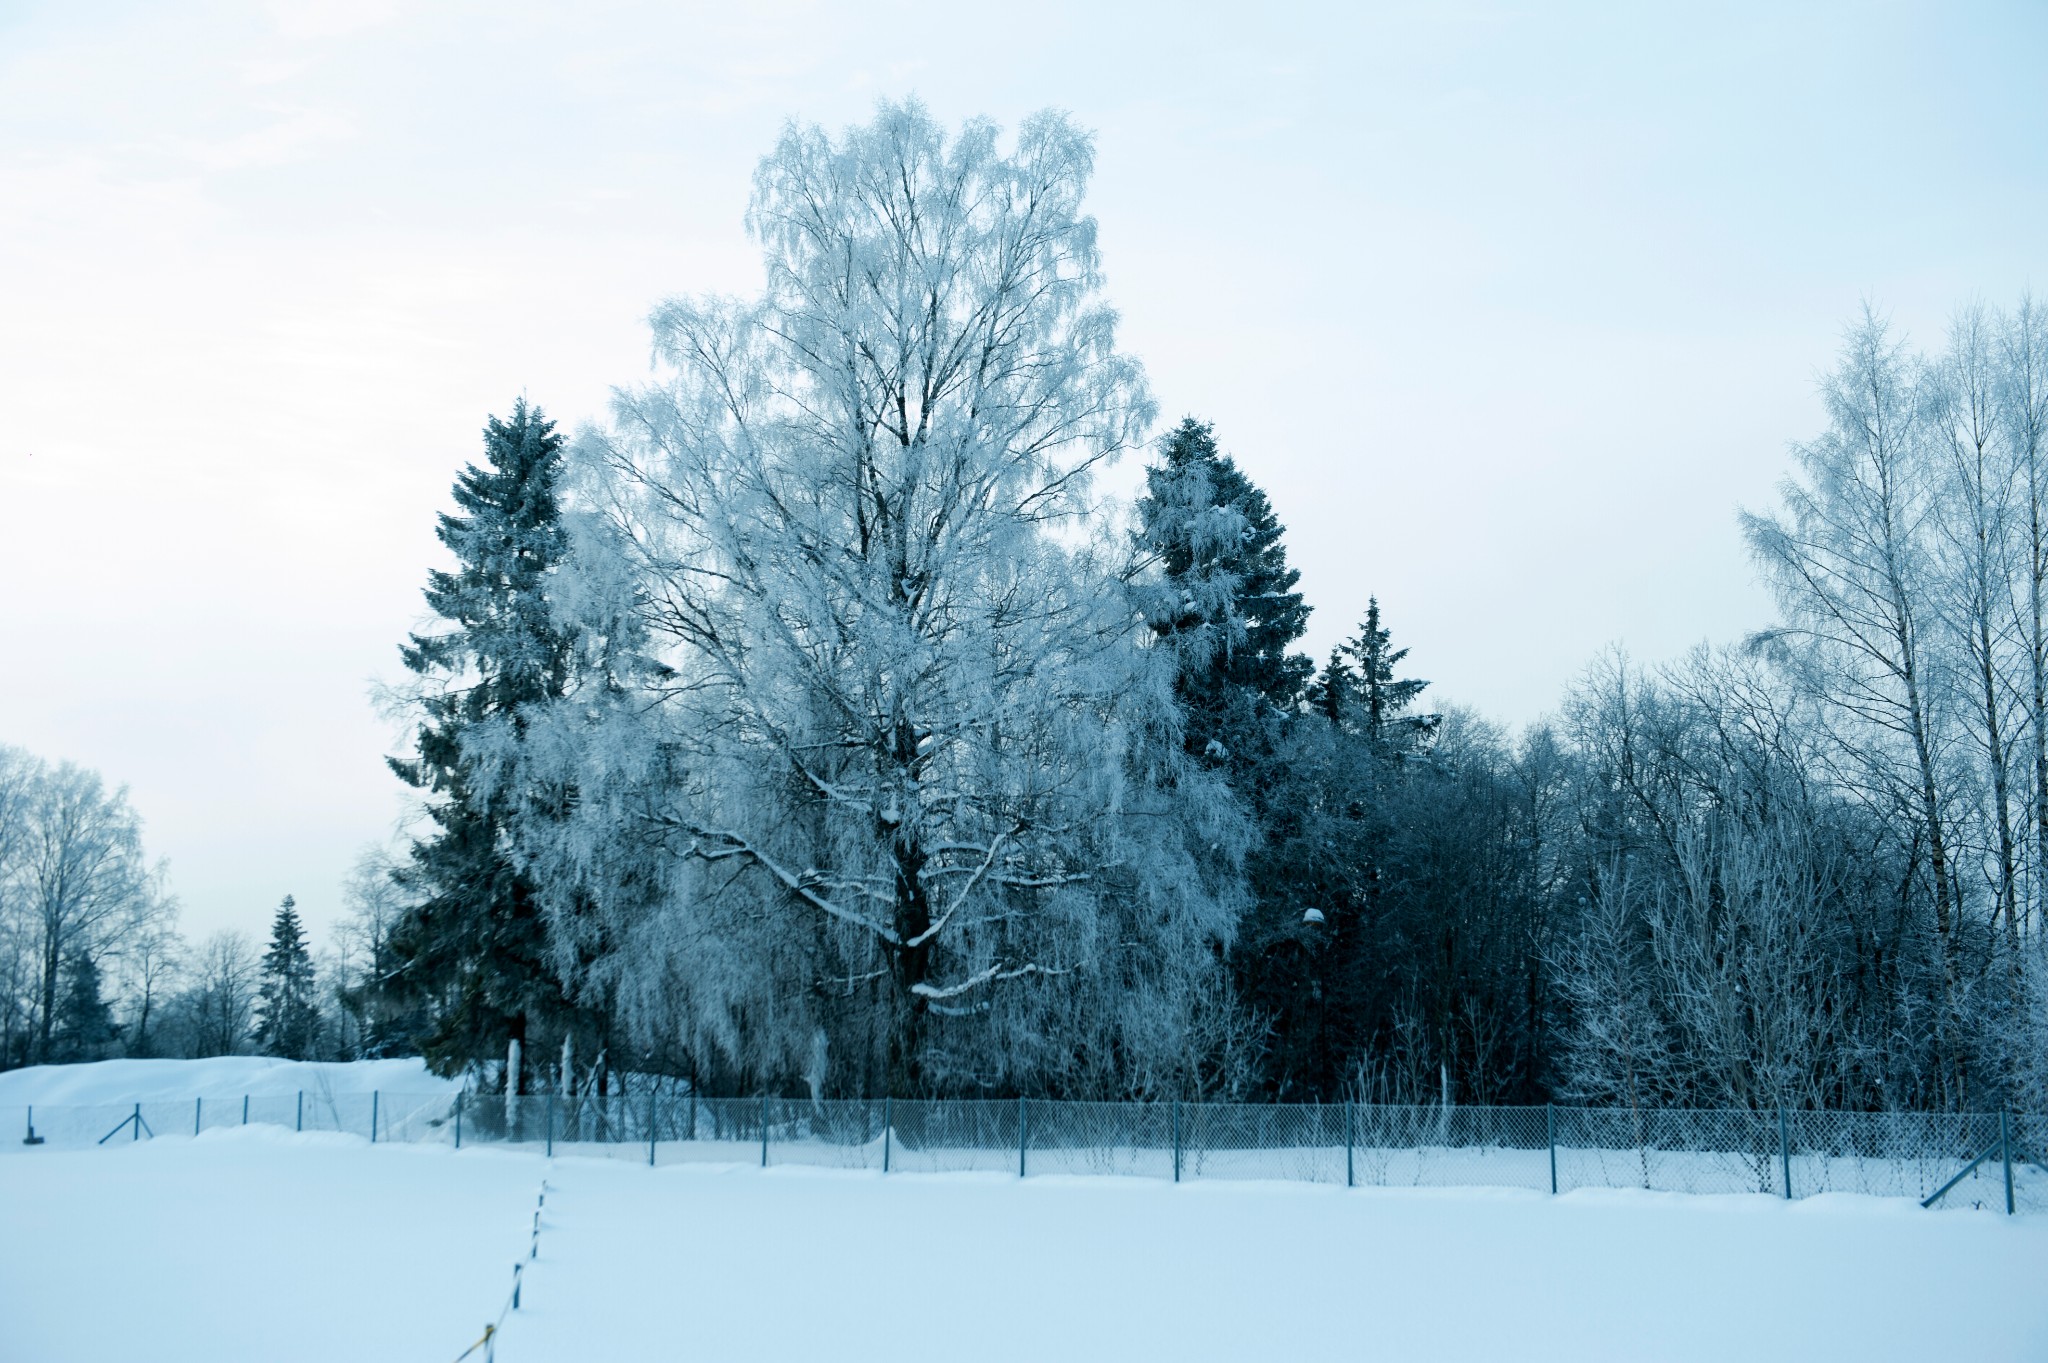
[[258, 1243]]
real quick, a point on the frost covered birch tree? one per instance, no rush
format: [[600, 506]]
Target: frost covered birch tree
[[1850, 561], [896, 799]]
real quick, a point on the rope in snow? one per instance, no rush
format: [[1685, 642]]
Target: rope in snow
[[488, 1340]]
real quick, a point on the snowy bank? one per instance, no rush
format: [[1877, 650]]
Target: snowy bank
[[116, 1082]]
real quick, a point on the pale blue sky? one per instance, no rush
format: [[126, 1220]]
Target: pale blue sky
[[1508, 306]]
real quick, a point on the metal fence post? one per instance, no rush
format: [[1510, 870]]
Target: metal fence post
[[458, 1121], [2005, 1154], [1550, 1139], [138, 1121], [1350, 1175], [1785, 1151], [197, 1103], [650, 1126], [245, 1109], [692, 1134], [373, 1116], [551, 1126], [1023, 1125], [1176, 1140], [888, 1132], [764, 1131], [299, 1122]]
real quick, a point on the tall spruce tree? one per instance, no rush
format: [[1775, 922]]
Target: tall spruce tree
[[287, 1018], [470, 955], [1229, 603]]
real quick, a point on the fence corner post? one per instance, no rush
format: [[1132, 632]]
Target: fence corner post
[[138, 1122], [650, 1125], [373, 1116], [1785, 1151], [888, 1130], [1023, 1126], [458, 1119], [198, 1105], [764, 1131], [1550, 1139], [551, 1125], [2005, 1155], [1176, 1140], [299, 1122]]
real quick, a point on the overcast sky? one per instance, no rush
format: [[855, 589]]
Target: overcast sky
[[1509, 308]]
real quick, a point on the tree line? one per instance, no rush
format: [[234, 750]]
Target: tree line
[[93, 965], [815, 725]]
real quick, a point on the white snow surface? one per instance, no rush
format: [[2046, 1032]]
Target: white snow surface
[[115, 1083], [256, 1243]]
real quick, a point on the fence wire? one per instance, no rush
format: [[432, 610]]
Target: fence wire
[[1953, 1159]]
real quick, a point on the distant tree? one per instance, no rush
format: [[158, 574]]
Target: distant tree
[[221, 1007], [1379, 699], [79, 879], [85, 1027], [470, 952], [374, 904], [1227, 602], [1334, 689], [147, 964], [287, 1016]]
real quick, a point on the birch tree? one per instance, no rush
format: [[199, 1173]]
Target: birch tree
[[1974, 543], [898, 797], [2023, 410], [1848, 560], [82, 877]]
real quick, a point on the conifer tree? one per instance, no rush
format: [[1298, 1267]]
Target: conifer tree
[[288, 1020], [1380, 700], [85, 1023], [471, 953], [1229, 603]]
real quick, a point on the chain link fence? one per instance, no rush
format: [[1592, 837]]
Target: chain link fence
[[1949, 1159]]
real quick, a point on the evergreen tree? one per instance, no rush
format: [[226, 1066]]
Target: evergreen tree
[[1379, 700], [84, 1023], [1334, 690], [470, 955], [288, 1019], [1229, 603]]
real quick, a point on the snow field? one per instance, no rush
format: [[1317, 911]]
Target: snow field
[[261, 1244]]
